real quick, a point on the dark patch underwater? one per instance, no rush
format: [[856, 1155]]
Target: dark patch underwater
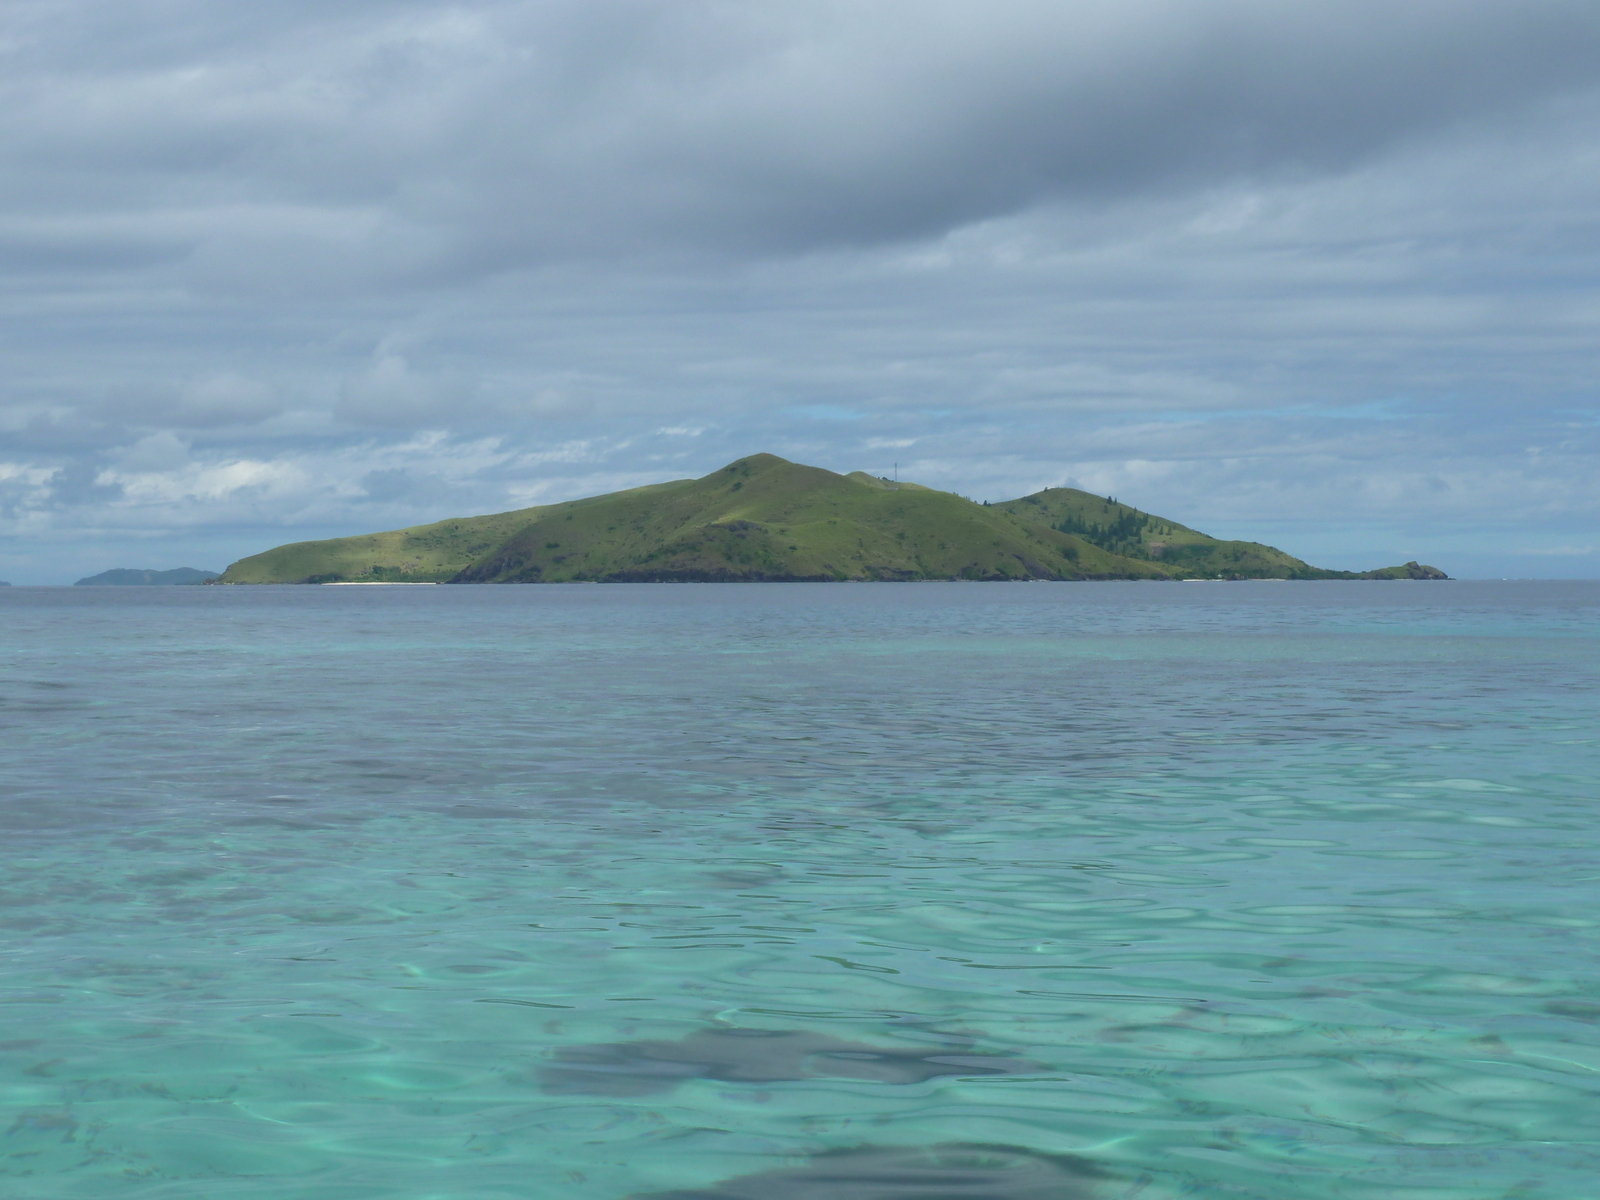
[[946, 1171], [754, 1056]]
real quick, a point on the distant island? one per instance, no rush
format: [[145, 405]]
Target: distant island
[[764, 519], [135, 577]]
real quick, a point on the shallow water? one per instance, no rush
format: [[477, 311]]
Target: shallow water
[[1277, 891]]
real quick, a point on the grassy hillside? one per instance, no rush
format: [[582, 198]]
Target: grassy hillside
[[1188, 553], [418, 555], [763, 518], [422, 554]]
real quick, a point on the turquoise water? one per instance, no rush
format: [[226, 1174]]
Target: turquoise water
[[1277, 891]]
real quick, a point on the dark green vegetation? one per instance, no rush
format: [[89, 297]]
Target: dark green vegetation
[[763, 518], [133, 577], [1187, 553]]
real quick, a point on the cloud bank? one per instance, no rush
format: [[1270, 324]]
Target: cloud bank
[[1320, 274]]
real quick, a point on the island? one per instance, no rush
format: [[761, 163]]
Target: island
[[141, 577], [765, 519]]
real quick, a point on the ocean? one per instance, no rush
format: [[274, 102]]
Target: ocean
[[1076, 891]]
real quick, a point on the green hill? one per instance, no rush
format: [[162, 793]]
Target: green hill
[[1124, 530], [764, 518], [1187, 553], [422, 554]]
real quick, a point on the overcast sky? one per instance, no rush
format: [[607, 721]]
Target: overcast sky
[[1317, 274]]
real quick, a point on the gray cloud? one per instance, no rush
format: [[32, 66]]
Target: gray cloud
[[78, 483], [356, 145], [390, 393], [397, 484], [291, 270], [215, 400]]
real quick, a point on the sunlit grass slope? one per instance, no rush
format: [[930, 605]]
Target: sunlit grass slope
[[763, 518], [422, 554]]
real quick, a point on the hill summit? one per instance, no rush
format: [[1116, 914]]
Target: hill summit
[[763, 518]]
